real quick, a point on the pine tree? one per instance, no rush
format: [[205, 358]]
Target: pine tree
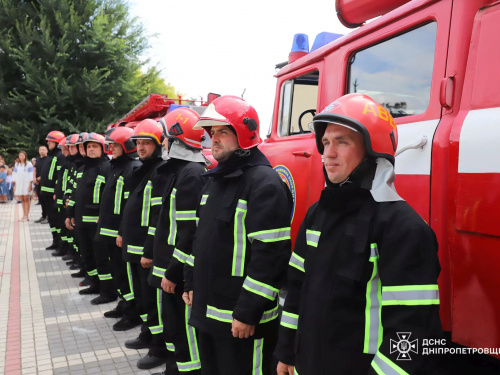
[[69, 65]]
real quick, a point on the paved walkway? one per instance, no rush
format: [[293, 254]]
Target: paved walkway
[[46, 327]]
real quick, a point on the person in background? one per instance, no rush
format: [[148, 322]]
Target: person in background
[[10, 185], [35, 194], [37, 176], [22, 178], [3, 184]]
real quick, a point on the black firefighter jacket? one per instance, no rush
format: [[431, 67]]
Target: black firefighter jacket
[[170, 240], [50, 171], [362, 278], [74, 163], [241, 247], [62, 181], [86, 199], [114, 197], [142, 208]]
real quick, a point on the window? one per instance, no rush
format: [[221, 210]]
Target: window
[[298, 101], [397, 73]]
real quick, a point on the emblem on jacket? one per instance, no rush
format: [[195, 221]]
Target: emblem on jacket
[[404, 346]]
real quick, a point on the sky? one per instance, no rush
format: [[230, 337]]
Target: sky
[[230, 47]]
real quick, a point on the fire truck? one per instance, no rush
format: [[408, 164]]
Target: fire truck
[[435, 65]]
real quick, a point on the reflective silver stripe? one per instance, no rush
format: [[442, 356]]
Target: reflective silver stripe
[[271, 235], [191, 338], [155, 201], [144, 317], [97, 188], [190, 260], [193, 141], [312, 237], [170, 346], [157, 271], [59, 201], [289, 320], [146, 202], [126, 194], [384, 366], [71, 203], [171, 216], [410, 295], [105, 277], [373, 321], [257, 287], [129, 296], [269, 315], [52, 167], [185, 215], [258, 345], [240, 241], [108, 232], [79, 175], [204, 198], [225, 316], [90, 219], [47, 189], [181, 256], [151, 231], [65, 180], [92, 272], [135, 249], [118, 195], [188, 366], [297, 261]]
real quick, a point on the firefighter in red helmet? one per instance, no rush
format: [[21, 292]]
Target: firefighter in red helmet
[[82, 212], [241, 247], [114, 199], [50, 173], [170, 240], [140, 213], [365, 266]]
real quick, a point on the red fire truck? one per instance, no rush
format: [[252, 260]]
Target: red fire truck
[[435, 65]]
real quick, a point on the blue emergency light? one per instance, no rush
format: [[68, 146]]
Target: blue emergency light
[[175, 106], [323, 39], [300, 43]]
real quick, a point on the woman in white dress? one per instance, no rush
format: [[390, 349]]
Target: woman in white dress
[[22, 177]]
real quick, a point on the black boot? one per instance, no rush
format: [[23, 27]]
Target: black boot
[[78, 274], [150, 361], [108, 293], [125, 324]]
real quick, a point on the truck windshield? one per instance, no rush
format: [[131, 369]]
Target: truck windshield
[[397, 72]]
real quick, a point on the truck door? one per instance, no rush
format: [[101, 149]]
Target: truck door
[[290, 146], [475, 220]]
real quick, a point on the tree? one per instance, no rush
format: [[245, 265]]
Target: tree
[[69, 65]]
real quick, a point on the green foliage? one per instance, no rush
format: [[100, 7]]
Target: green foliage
[[69, 65]]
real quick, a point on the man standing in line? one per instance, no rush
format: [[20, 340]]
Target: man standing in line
[[364, 271], [141, 211], [170, 240], [241, 247], [48, 177], [110, 259]]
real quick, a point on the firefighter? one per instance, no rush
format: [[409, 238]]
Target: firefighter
[[83, 208], [49, 175], [241, 247], [76, 160], [363, 275], [141, 211], [170, 240], [114, 199], [60, 189]]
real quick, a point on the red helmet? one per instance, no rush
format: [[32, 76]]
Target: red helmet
[[233, 111], [72, 139], [122, 136], [148, 129], [179, 123], [97, 138], [55, 135], [360, 113], [62, 143], [81, 138]]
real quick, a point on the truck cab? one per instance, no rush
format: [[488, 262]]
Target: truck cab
[[433, 64]]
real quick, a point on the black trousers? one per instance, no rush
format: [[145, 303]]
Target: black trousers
[[86, 234], [37, 190], [221, 355], [149, 308], [47, 200], [178, 334], [102, 254]]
